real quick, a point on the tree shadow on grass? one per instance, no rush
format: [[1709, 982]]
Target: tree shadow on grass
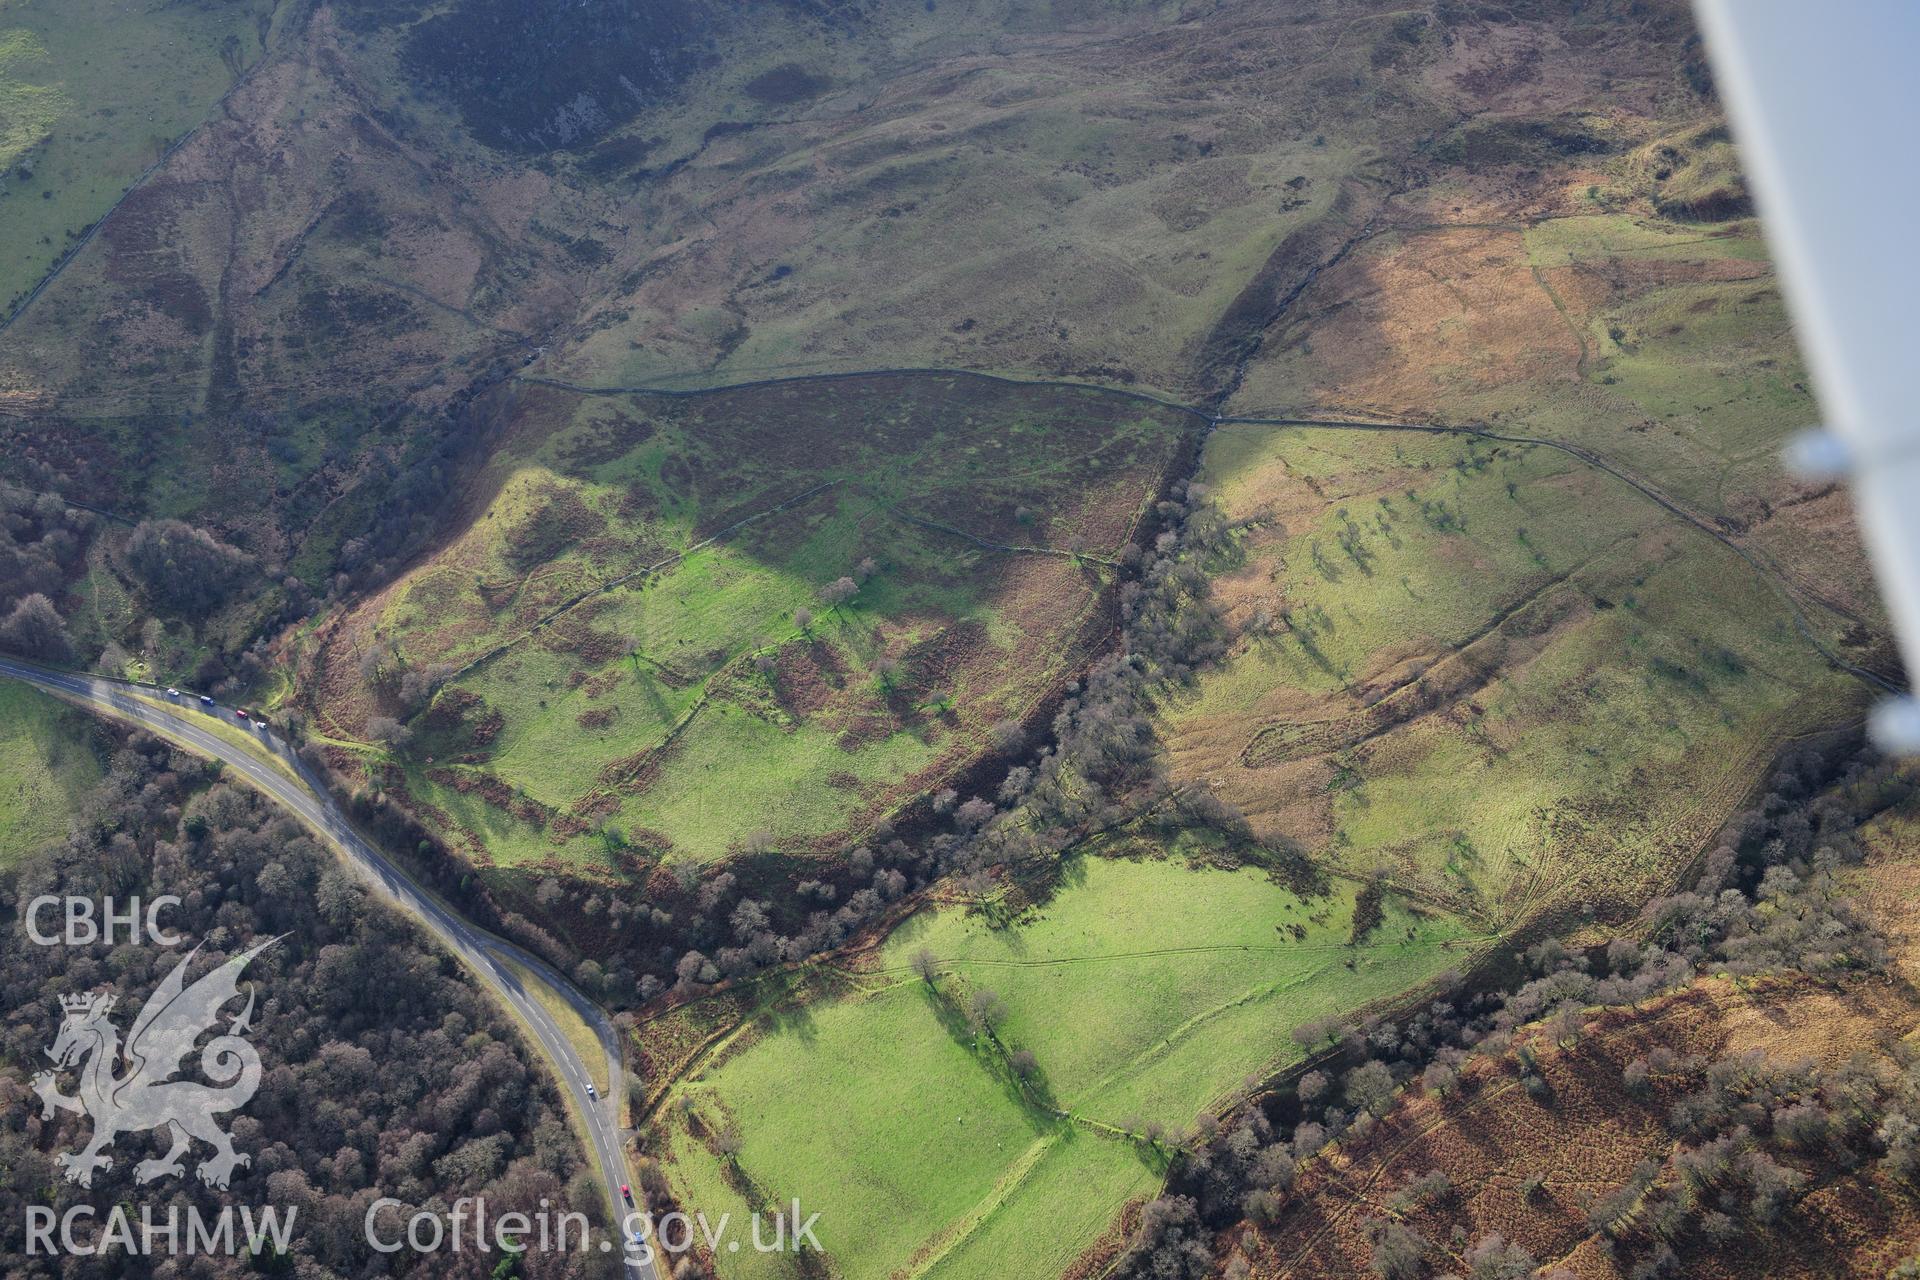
[[1158, 1159], [650, 690], [795, 1020], [1073, 872], [1313, 651], [794, 1016], [1030, 1093], [1033, 889]]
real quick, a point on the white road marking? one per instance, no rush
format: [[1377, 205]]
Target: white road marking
[[394, 886]]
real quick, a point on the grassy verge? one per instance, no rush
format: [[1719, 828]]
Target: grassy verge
[[48, 761], [592, 1055], [218, 723]]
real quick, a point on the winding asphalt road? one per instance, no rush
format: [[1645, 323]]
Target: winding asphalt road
[[271, 767]]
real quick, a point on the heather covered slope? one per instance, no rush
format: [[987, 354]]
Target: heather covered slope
[[1109, 193], [286, 332], [1748, 1123], [92, 94]]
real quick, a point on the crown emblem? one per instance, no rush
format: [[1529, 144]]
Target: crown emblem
[[128, 1088]]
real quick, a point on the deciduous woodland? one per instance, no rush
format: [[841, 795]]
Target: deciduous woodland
[[386, 1072]]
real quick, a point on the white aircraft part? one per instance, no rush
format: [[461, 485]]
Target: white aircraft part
[[1824, 102]]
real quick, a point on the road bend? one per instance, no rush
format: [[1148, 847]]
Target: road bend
[[270, 765]]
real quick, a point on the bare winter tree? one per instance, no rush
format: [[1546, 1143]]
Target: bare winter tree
[[419, 684], [387, 730], [985, 1009], [1397, 1249], [838, 592], [1370, 1086], [1495, 1259], [925, 965]]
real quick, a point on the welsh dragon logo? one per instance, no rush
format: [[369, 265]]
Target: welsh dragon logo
[[146, 1096]]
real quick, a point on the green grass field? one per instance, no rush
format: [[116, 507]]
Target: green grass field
[[681, 542], [91, 91], [1148, 991], [48, 761], [1690, 354], [1498, 676], [1492, 672]]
